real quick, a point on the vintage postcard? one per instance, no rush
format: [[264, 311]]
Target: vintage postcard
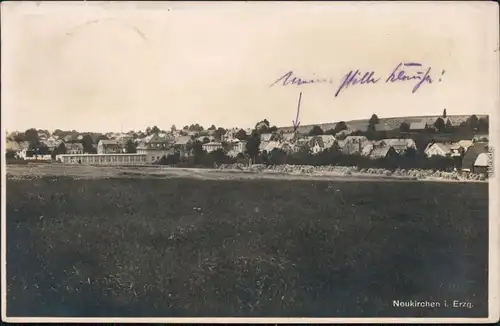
[[252, 162]]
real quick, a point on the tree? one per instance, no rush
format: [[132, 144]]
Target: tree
[[340, 126], [155, 130], [198, 153], [31, 135], [448, 126], [196, 127], [252, 146], [10, 154], [212, 127], [218, 157], [444, 114], [219, 133], [483, 124], [262, 126], [130, 146], [374, 120], [61, 149], [88, 144], [315, 131], [404, 127], [173, 128], [148, 131], [277, 156], [472, 122], [241, 134], [439, 124]]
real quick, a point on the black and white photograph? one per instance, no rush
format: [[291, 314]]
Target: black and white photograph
[[250, 161]]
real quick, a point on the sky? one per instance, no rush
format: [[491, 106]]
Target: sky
[[126, 66]]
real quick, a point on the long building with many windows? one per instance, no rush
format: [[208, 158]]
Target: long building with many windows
[[104, 159]]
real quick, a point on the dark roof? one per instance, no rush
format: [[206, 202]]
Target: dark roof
[[380, 152], [472, 154], [108, 142]]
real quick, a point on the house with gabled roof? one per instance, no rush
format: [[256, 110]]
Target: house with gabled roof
[[288, 147], [266, 137], [319, 143], [400, 145], [481, 163], [472, 154], [383, 151], [74, 148], [263, 145], [437, 149], [155, 147], [108, 146], [182, 144], [418, 126], [288, 136]]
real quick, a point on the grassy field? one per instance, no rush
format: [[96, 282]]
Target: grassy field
[[187, 247]]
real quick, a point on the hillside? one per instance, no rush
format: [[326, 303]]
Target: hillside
[[390, 123]]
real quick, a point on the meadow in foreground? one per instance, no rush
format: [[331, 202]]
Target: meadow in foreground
[[271, 248]]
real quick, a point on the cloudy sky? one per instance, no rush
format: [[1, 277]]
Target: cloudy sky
[[112, 67]]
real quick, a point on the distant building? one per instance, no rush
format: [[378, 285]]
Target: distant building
[[155, 147], [383, 151], [288, 136], [205, 139], [212, 146], [288, 147], [418, 126], [318, 144], [481, 163], [182, 144], [266, 137], [20, 149], [103, 159], [400, 145], [471, 156], [75, 148], [109, 147], [437, 149]]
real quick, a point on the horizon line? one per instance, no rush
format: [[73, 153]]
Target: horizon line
[[279, 127]]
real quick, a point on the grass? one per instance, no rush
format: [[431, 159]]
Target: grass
[[272, 248]]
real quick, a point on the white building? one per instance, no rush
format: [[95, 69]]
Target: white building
[[103, 159], [212, 146], [437, 149]]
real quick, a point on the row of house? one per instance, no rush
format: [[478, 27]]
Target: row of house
[[21, 149], [472, 152], [156, 146]]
